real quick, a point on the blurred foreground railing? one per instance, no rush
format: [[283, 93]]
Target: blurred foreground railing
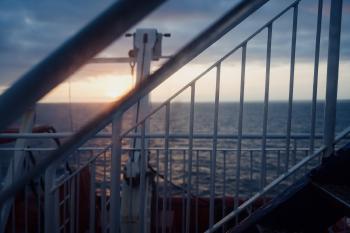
[[181, 166]]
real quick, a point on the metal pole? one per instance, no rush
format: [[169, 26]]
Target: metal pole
[[115, 176], [214, 150], [315, 81], [166, 168], [92, 213], [143, 168], [240, 126], [50, 201], [332, 74], [266, 107], [190, 158], [291, 84]]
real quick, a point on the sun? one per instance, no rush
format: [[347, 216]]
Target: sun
[[94, 88], [116, 86]]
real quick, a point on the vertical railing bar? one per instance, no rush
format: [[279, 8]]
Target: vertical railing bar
[[51, 200], [266, 107], [295, 151], [39, 206], [332, 74], [278, 162], [213, 155], [183, 219], [13, 200], [190, 153], [56, 211], [92, 198], [64, 206], [78, 193], [197, 189], [103, 196], [251, 171], [291, 84], [294, 158], [71, 209], [26, 208], [315, 80], [130, 200], [224, 190], [166, 154], [240, 126], [169, 194], [306, 164], [142, 179], [115, 197], [157, 191]]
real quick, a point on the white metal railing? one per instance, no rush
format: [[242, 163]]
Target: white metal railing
[[51, 164], [186, 157], [177, 168], [306, 163], [64, 188]]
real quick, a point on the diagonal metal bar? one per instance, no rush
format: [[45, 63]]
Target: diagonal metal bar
[[291, 85], [315, 78], [68, 58], [330, 111], [231, 19], [292, 170]]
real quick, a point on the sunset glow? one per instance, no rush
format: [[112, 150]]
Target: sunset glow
[[97, 88]]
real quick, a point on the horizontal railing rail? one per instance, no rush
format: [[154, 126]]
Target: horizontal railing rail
[[159, 135]]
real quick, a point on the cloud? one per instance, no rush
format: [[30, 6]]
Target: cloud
[[32, 29]]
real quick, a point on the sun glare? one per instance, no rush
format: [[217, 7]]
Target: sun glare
[[117, 86], [96, 88]]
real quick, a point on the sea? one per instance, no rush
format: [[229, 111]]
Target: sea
[[71, 117]]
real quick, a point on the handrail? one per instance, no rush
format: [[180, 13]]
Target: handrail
[[159, 135], [68, 58], [277, 181], [100, 148], [228, 21]]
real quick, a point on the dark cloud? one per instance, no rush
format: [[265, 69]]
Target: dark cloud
[[31, 29]]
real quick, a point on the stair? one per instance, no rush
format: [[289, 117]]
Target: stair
[[312, 204], [339, 193]]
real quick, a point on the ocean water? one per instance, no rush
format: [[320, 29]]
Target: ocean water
[[65, 117], [68, 117]]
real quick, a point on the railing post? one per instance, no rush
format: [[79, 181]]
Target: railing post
[[115, 176], [50, 208], [332, 74], [16, 165]]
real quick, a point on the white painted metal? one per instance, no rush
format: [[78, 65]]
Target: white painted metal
[[135, 215], [291, 84], [16, 168], [315, 78], [274, 183], [214, 150], [51, 202], [266, 107], [115, 177], [332, 73], [145, 43]]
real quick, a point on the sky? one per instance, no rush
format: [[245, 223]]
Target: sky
[[31, 29]]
